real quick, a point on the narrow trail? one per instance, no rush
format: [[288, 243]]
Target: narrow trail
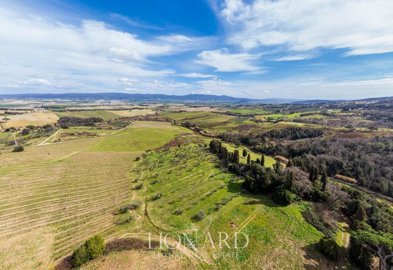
[[44, 142], [15, 140]]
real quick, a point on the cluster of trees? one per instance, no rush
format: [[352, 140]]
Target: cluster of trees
[[369, 161], [293, 133], [283, 184], [91, 249], [68, 121]]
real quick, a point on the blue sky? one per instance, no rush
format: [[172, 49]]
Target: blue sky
[[310, 49]]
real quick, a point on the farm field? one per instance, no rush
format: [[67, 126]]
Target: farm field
[[140, 136], [106, 115], [250, 111], [56, 196], [77, 133], [131, 113], [211, 122], [36, 119]]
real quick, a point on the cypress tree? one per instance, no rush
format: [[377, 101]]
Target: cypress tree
[[311, 175], [248, 159], [244, 153], [263, 160], [236, 156], [324, 180]]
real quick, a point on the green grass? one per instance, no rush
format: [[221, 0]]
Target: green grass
[[189, 182], [106, 115], [213, 122], [136, 138], [251, 111], [269, 161]]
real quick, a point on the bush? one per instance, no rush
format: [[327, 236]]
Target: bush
[[79, 257], [328, 247], [178, 212], [18, 148], [199, 216], [283, 196], [137, 187], [93, 248], [131, 206], [156, 196]]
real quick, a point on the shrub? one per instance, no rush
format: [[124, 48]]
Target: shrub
[[178, 212], [283, 196], [137, 187], [199, 216], [18, 148], [79, 257], [156, 196], [328, 247], [93, 248], [131, 206]]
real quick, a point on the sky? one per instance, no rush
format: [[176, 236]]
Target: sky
[[309, 49]]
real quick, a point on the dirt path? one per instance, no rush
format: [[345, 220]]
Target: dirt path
[[44, 142], [15, 140]]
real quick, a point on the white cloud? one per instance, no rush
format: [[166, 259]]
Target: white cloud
[[296, 57], [223, 61], [128, 81], [37, 81], [361, 26], [90, 56], [195, 75]]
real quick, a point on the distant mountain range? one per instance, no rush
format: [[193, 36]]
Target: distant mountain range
[[161, 98], [192, 98]]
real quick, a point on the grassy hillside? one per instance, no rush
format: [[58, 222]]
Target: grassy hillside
[[53, 197], [189, 181], [139, 137]]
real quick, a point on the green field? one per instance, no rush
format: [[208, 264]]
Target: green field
[[250, 111], [139, 137], [106, 115], [212, 122]]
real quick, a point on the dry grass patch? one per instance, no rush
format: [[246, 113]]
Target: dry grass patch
[[132, 113], [36, 119]]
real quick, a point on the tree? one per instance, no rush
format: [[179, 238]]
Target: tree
[[244, 153], [91, 249], [236, 156], [360, 216], [289, 184], [248, 159], [263, 160], [277, 166], [324, 179], [311, 175], [368, 243], [290, 163], [329, 247]]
